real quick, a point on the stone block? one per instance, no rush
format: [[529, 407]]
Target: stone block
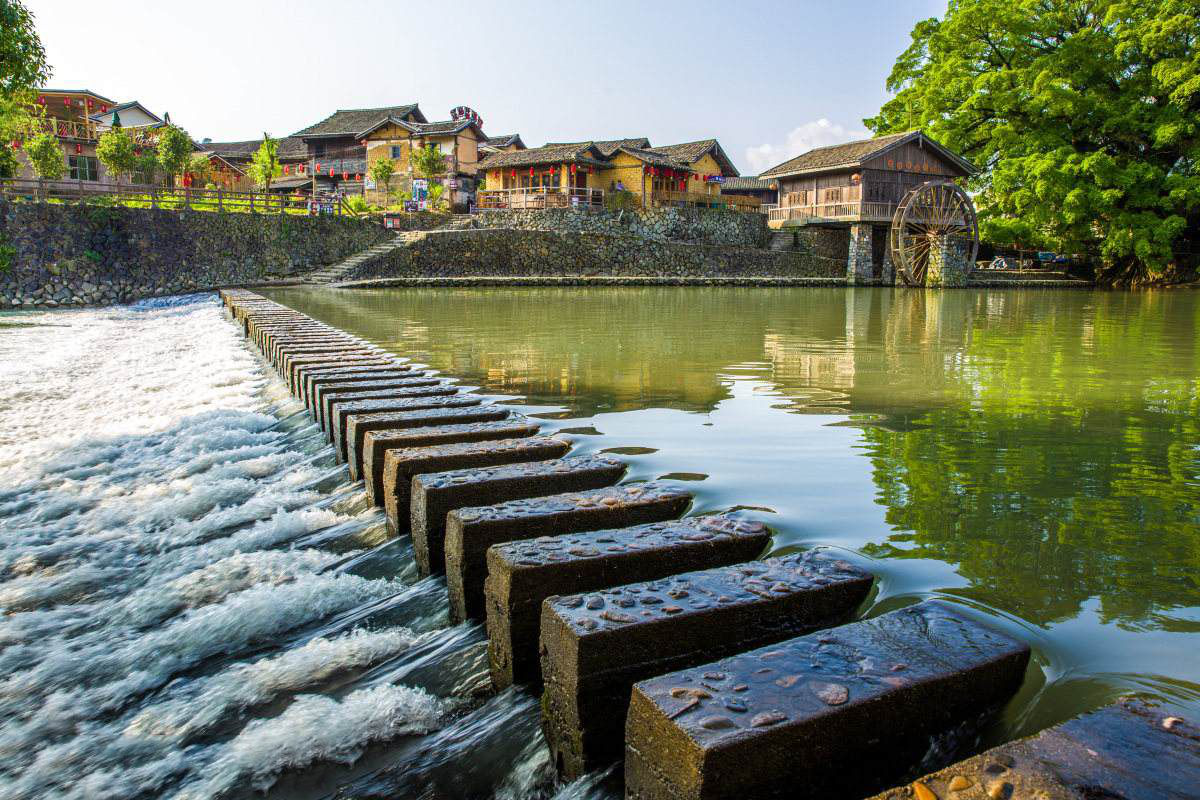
[[295, 376], [524, 573], [596, 646], [377, 387], [351, 421], [434, 496], [329, 407], [306, 389], [1126, 750], [471, 531], [831, 712]]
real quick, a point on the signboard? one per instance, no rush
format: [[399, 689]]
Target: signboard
[[369, 182], [715, 179], [452, 183]]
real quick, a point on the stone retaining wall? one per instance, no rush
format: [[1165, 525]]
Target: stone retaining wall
[[524, 253], [695, 225], [57, 254]]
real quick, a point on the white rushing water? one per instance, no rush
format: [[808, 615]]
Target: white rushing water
[[182, 612]]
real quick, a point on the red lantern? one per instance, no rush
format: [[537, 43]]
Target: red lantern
[[78, 149], [67, 101], [89, 104], [363, 142], [531, 172], [358, 176], [318, 166], [331, 172], [572, 169], [103, 108], [514, 173], [345, 175], [287, 170], [137, 151], [41, 100]]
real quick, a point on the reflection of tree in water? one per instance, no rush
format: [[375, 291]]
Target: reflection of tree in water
[[1068, 468]]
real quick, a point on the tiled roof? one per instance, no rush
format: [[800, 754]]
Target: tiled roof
[[654, 158], [507, 140], [749, 184], [289, 147], [691, 152], [350, 121], [609, 146], [852, 154], [574, 153], [88, 92]]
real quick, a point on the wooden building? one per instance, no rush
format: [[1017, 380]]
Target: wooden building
[[231, 164], [562, 174], [460, 142], [765, 189], [858, 185], [335, 147]]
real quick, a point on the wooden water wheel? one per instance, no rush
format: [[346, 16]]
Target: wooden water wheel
[[932, 211]]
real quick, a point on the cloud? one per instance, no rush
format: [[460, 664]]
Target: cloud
[[818, 133]]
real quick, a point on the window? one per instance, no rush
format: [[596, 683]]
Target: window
[[84, 168], [396, 151]]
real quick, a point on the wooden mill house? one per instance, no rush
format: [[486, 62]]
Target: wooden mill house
[[857, 186]]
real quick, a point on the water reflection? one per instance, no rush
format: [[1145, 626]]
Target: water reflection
[[1035, 453]]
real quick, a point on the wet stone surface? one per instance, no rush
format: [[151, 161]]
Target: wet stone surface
[[287, 356], [524, 573], [343, 375], [351, 421], [471, 531], [295, 375], [397, 393], [377, 443], [434, 496], [401, 465], [838, 712], [1127, 750], [595, 646], [390, 379]]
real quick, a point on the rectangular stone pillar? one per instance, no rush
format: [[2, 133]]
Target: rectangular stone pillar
[[948, 265], [859, 266]]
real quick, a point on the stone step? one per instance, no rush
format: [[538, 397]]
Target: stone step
[[434, 496], [273, 349], [520, 575], [328, 408], [832, 712], [294, 377], [447, 414], [308, 389], [349, 422], [1120, 751], [283, 363], [324, 394], [376, 444], [595, 647], [400, 466], [471, 531]]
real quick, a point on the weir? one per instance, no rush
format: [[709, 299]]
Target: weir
[[716, 673]]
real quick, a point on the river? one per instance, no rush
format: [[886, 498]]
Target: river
[[196, 603]]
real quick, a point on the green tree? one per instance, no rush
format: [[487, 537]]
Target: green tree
[[145, 168], [427, 162], [201, 169], [116, 152], [1084, 116], [174, 151], [22, 60], [46, 156], [382, 171], [265, 165]]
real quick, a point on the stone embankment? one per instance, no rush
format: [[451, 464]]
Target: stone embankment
[[69, 255], [669, 640]]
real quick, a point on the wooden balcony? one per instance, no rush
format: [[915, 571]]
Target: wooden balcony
[[851, 211], [705, 200], [77, 130], [540, 197]]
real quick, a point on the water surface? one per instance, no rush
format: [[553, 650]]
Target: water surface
[[1034, 454]]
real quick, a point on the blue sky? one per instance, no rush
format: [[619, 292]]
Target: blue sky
[[768, 79]]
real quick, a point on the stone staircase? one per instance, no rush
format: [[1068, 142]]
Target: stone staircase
[[336, 272]]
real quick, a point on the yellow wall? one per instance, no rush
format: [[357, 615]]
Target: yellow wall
[[707, 165], [628, 170]]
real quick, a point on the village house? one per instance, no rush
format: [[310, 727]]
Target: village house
[[561, 174], [501, 144], [336, 146], [77, 118], [230, 163], [765, 189], [459, 140], [857, 186]]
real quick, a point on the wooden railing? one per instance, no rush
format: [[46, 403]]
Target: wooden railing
[[92, 131], [734, 201], [854, 210], [148, 196], [539, 197]]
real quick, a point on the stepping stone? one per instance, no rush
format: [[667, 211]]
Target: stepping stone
[[329, 407], [377, 443], [348, 375], [1127, 750], [522, 574], [295, 377], [828, 712], [401, 465], [362, 388], [351, 421], [435, 496], [281, 357], [338, 354], [471, 531], [596, 646]]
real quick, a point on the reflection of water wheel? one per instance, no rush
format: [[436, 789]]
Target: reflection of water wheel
[[934, 210]]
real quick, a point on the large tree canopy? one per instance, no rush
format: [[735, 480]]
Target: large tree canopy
[[1084, 116], [22, 59]]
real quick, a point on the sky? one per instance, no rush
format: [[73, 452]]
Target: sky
[[769, 80]]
